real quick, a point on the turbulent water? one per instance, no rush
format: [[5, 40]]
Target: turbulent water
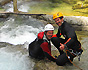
[[16, 32], [19, 30], [21, 5], [15, 35]]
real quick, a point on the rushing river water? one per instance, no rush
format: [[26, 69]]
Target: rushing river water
[[16, 32]]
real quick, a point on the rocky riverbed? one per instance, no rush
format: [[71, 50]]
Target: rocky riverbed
[[33, 64], [83, 64], [80, 23]]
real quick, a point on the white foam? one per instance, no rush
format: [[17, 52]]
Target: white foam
[[24, 7], [15, 61], [19, 35]]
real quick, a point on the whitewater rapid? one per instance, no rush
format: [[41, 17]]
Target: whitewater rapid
[[17, 32], [14, 60]]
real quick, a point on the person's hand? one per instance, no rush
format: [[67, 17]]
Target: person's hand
[[62, 46]]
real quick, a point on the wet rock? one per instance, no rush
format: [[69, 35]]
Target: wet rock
[[4, 44], [2, 15], [80, 5], [78, 22], [49, 65]]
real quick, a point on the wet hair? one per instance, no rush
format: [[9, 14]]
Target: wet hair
[[61, 17]]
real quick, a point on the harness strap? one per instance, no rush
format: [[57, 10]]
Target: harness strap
[[78, 54], [71, 61]]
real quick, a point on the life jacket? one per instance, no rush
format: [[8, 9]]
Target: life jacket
[[45, 45], [39, 47]]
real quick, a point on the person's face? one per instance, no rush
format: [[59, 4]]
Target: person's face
[[58, 21], [49, 34]]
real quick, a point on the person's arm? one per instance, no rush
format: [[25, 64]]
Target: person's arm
[[47, 52], [70, 33]]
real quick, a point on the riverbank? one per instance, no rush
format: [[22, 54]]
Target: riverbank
[[50, 8], [47, 7]]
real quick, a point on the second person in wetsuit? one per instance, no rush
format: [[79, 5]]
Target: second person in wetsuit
[[69, 42]]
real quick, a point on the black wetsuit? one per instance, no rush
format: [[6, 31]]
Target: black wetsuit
[[40, 48], [70, 42]]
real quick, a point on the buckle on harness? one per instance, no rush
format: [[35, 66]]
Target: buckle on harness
[[78, 54]]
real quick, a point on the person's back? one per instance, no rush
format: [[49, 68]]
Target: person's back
[[35, 50]]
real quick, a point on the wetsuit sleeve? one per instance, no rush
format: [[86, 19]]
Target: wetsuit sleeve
[[47, 52], [58, 33], [70, 33]]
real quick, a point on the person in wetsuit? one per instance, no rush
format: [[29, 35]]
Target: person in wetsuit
[[69, 42], [41, 47]]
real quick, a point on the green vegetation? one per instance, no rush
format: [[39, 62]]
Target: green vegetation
[[64, 6], [43, 7], [67, 7], [1, 9], [81, 34]]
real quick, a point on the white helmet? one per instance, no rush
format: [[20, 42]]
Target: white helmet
[[48, 27]]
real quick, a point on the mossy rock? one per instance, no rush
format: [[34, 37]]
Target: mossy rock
[[80, 6], [77, 6], [86, 2]]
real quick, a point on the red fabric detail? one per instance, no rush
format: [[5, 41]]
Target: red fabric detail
[[54, 35], [60, 34], [80, 46], [40, 35], [46, 47]]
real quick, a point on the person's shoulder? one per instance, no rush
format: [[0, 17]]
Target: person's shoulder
[[67, 24]]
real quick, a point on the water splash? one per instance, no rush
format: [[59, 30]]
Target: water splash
[[18, 31], [24, 7], [15, 60]]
